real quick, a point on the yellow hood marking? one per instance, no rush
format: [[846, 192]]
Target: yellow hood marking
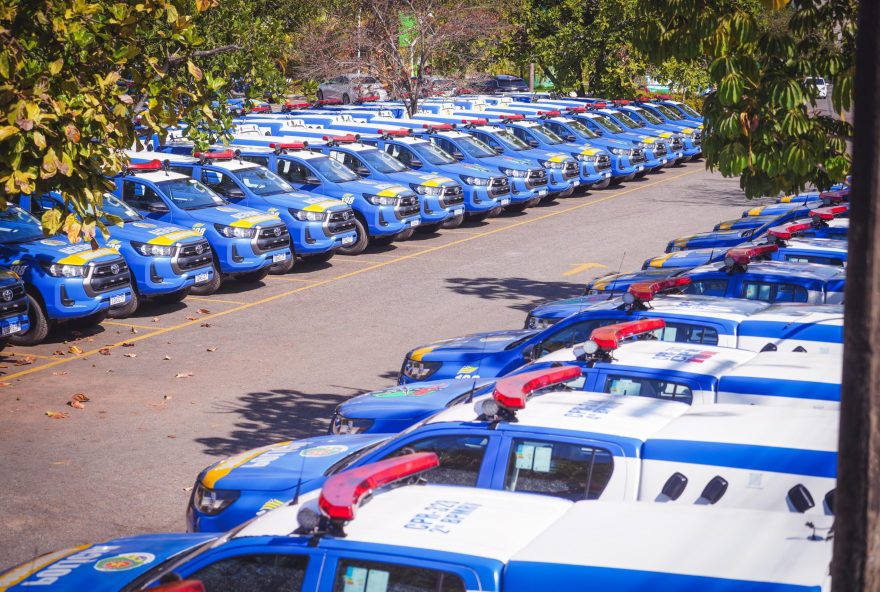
[[649, 140], [602, 283], [659, 261], [322, 206], [666, 134], [173, 237], [683, 241], [418, 354], [437, 181], [725, 225], [391, 191], [22, 572], [84, 257], [559, 158], [786, 199], [687, 130], [254, 220], [224, 467], [589, 152], [756, 211]]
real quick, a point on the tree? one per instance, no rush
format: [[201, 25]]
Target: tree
[[762, 123]]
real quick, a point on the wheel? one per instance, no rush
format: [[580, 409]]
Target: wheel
[[212, 286], [519, 207], [453, 222], [405, 234], [321, 258], [93, 320], [173, 297], [602, 184], [252, 276], [360, 243], [495, 212], [567, 193], [346, 100], [127, 309], [383, 241], [283, 267], [39, 325], [319, 95], [429, 228], [478, 217]]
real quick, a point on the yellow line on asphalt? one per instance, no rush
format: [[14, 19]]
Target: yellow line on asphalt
[[287, 279], [360, 260], [582, 268], [471, 232], [129, 325], [22, 355], [375, 265], [221, 300]]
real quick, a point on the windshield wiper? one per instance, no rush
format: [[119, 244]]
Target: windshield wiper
[[201, 207]]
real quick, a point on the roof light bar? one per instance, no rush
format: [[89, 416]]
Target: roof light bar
[[438, 127], [346, 139], [600, 105], [476, 121], [610, 336], [786, 231], [511, 392], [551, 113], [343, 492], [260, 109], [224, 155], [289, 145], [329, 102], [513, 117], [369, 98], [297, 105], [829, 213], [576, 109], [394, 132], [152, 165], [836, 196], [621, 102], [645, 291], [744, 255]]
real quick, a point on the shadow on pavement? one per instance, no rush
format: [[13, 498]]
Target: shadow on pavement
[[272, 416], [518, 292]]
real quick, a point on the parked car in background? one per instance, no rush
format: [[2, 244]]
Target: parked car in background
[[351, 88], [500, 84], [820, 84]]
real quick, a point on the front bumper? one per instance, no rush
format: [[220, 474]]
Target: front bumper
[[238, 255], [67, 298]]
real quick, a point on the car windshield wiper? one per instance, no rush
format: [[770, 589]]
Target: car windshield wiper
[[201, 207]]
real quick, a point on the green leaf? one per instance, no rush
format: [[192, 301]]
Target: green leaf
[[731, 88], [55, 67], [114, 220], [194, 70]]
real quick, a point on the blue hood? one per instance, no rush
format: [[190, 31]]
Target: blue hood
[[145, 231], [370, 186], [300, 199], [564, 308], [466, 169], [106, 567], [280, 466], [685, 259], [410, 400], [58, 248], [716, 239], [227, 214], [620, 282], [469, 347], [507, 162]]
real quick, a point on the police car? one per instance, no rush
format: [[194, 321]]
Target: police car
[[430, 537], [816, 328], [13, 306], [614, 283]]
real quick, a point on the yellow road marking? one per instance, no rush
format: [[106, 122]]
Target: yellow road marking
[[376, 265], [359, 260], [287, 279], [22, 355], [457, 231], [210, 299], [129, 325], [582, 268]]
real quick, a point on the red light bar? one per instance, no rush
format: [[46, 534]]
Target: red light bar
[[609, 337], [153, 165], [476, 121], [785, 231], [288, 145], [599, 105], [835, 196], [576, 109], [343, 492], [369, 98], [645, 291], [512, 391], [552, 113], [440, 127], [292, 105], [394, 132], [225, 155], [829, 213], [664, 97], [260, 109], [621, 102], [329, 102], [643, 99], [743, 255], [346, 139], [514, 117]]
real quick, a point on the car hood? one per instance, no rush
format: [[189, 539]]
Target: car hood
[[234, 215], [302, 201], [564, 308], [410, 400], [508, 162], [719, 238], [104, 567], [466, 169], [155, 234], [469, 347], [545, 154], [429, 179], [375, 187], [606, 142], [687, 259], [280, 466], [58, 249]]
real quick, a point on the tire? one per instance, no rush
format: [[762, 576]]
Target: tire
[[316, 259], [93, 320], [319, 95], [282, 268], [429, 228], [210, 287], [362, 241], [518, 207], [453, 222], [127, 309], [567, 193], [602, 184], [39, 325], [478, 217], [346, 100], [383, 241], [173, 297], [405, 234], [495, 212], [252, 276]]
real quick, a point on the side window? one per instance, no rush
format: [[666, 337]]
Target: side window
[[570, 335], [371, 576], [556, 128], [707, 287], [521, 134], [447, 146], [460, 458], [261, 160], [684, 333], [221, 183], [293, 171], [769, 292], [820, 259], [347, 159], [571, 471], [648, 387], [404, 155], [279, 573], [488, 139], [139, 196]]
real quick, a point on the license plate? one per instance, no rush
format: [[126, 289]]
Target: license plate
[[347, 240], [607, 175], [414, 223], [13, 328], [505, 201], [640, 168], [201, 278], [679, 154], [542, 192], [279, 257], [118, 299], [456, 212], [576, 183]]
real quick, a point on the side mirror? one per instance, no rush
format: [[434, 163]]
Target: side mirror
[[234, 193], [769, 347], [714, 490], [529, 353], [674, 486], [362, 171], [570, 138], [415, 163], [800, 499], [533, 143], [312, 181], [499, 150], [800, 349], [157, 208]]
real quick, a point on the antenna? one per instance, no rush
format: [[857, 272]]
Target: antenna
[[622, 257], [299, 479]]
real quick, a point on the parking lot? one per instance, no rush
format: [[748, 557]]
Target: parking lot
[[173, 389]]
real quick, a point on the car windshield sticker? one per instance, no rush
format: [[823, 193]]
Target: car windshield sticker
[[272, 455], [269, 505], [124, 562], [440, 516], [403, 391], [592, 409], [52, 567], [362, 579], [318, 451], [52, 242], [684, 354], [624, 386]]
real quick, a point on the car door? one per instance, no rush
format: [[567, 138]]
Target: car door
[[353, 571], [239, 568], [145, 200], [299, 175]]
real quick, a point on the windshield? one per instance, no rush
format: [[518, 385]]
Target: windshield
[[608, 124], [688, 109], [649, 116], [431, 154], [474, 147], [507, 139], [352, 458], [382, 162], [627, 120], [546, 135], [189, 194], [670, 113], [262, 181], [582, 130], [333, 171], [17, 226], [116, 207]]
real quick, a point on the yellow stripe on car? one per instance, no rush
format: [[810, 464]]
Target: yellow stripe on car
[[391, 191], [437, 181], [687, 130], [173, 237], [786, 199], [756, 211], [559, 158], [84, 257], [254, 220], [683, 241], [322, 206], [418, 354], [22, 572], [725, 225], [224, 467], [659, 261], [590, 151], [666, 134], [602, 283]]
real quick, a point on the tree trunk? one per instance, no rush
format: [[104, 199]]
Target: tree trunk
[[856, 563]]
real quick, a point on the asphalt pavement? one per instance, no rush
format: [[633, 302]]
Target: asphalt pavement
[[176, 388]]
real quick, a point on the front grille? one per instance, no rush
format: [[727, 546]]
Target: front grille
[[499, 186], [603, 161], [698, 138], [17, 303], [536, 178], [407, 205], [638, 155], [452, 195], [341, 221], [676, 144], [272, 238], [194, 255], [570, 170], [109, 276], [660, 149]]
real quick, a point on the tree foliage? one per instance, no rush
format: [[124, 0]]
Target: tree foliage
[[763, 123]]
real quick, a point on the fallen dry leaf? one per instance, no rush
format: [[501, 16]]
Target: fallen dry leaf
[[76, 404], [166, 397], [25, 361], [127, 344], [203, 311], [212, 349], [183, 375], [74, 350], [155, 319], [57, 352], [5, 384], [57, 414], [167, 358], [130, 355], [134, 330], [192, 318], [188, 488], [205, 325], [171, 436], [58, 373], [104, 351], [80, 397]]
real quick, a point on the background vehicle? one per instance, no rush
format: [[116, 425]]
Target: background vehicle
[[502, 83], [820, 84], [351, 88]]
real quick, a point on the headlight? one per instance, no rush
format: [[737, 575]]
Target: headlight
[[643, 145], [235, 231], [475, 180], [549, 164], [380, 200], [426, 190], [148, 250], [68, 271], [213, 501], [617, 151], [419, 370], [587, 157], [305, 216], [515, 173], [345, 425]]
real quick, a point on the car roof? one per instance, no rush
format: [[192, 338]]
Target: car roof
[[491, 524], [734, 309], [829, 314], [155, 176], [817, 244], [790, 269], [773, 366], [624, 417]]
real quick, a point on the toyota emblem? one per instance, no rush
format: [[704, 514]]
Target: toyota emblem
[[6, 295], [114, 269], [277, 231], [200, 249]]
